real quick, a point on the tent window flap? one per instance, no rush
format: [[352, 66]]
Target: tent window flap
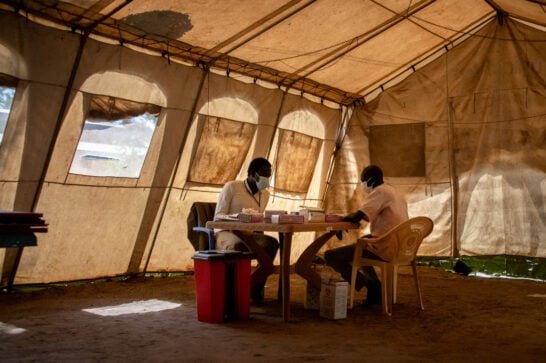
[[222, 142], [399, 149], [115, 138], [297, 156]]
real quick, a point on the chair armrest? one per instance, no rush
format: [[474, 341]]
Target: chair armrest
[[210, 234], [363, 241]]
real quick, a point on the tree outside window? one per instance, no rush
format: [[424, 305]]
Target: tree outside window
[[115, 138], [6, 100]]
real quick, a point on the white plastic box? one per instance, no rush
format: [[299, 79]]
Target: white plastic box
[[333, 299]]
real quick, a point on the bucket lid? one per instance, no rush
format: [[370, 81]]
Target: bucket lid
[[221, 255]]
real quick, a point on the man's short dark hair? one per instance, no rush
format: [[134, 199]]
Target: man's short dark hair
[[257, 164], [374, 174]]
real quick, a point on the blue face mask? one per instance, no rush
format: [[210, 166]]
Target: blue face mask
[[262, 183]]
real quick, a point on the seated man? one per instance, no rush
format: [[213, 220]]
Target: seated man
[[250, 193], [384, 208]]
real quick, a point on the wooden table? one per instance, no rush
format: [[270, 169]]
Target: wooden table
[[303, 264], [17, 231]]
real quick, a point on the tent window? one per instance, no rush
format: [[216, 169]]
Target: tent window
[[297, 156], [115, 138], [222, 142], [399, 149], [7, 92]]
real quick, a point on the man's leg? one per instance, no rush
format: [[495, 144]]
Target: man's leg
[[226, 240], [371, 281], [340, 259], [268, 243], [270, 246]]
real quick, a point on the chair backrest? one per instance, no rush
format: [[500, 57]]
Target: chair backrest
[[200, 214], [408, 237], [205, 212]]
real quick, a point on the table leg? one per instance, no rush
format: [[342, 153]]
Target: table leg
[[285, 275], [279, 287], [303, 265]]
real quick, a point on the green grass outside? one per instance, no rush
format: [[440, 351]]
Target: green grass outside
[[498, 265]]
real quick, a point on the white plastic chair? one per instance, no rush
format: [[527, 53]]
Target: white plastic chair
[[406, 237]]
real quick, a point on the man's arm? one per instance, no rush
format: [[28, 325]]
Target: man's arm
[[356, 217], [224, 202]]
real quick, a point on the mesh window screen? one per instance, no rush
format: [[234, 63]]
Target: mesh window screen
[[7, 93], [107, 108], [296, 159], [222, 142], [399, 149], [115, 138]]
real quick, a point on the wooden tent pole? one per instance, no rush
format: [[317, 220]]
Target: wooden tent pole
[[83, 40], [133, 266], [12, 258], [454, 180], [276, 127], [346, 113]]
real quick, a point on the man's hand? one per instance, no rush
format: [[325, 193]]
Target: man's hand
[[355, 217]]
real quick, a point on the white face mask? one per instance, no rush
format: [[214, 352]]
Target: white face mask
[[365, 188], [262, 182]]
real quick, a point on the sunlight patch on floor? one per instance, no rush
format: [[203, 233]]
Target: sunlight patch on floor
[[136, 307], [495, 276], [10, 329]]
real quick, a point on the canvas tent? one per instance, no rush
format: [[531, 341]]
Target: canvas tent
[[123, 113]]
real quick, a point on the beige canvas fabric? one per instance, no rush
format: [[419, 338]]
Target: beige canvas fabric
[[482, 105], [462, 134]]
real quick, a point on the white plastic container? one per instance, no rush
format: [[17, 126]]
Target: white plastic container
[[333, 299]]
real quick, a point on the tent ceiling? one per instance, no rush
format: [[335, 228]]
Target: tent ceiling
[[340, 51]]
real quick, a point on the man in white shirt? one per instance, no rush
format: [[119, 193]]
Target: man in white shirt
[[250, 193], [384, 208]]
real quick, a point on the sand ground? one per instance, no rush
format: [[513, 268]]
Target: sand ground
[[466, 319]]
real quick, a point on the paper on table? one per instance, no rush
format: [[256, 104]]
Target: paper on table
[[227, 217]]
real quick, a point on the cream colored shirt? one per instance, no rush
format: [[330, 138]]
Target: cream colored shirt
[[386, 208], [236, 195]]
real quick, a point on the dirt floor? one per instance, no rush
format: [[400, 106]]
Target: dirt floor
[[466, 319]]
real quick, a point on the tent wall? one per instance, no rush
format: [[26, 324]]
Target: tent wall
[[483, 109], [463, 137], [104, 226]]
